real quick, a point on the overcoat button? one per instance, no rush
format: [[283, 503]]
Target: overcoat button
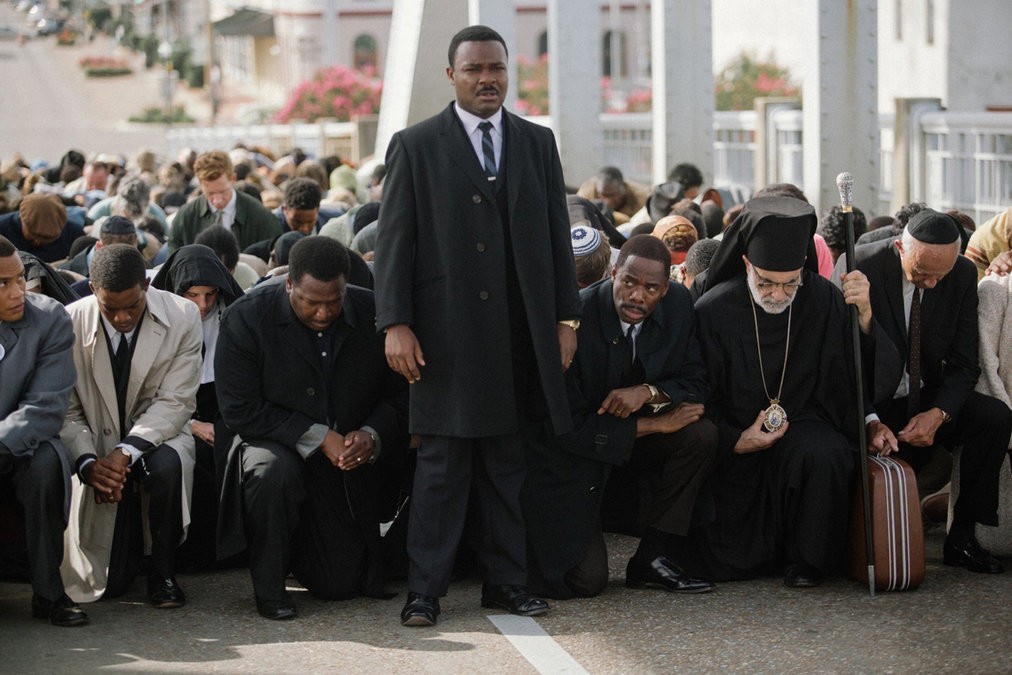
[[106, 431], [311, 391], [476, 199], [483, 295], [593, 489], [480, 247]]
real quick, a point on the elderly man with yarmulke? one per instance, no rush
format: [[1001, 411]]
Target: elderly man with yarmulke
[[918, 297], [775, 338], [40, 227], [591, 254]]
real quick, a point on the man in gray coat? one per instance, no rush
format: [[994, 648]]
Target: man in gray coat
[[476, 290], [36, 377]]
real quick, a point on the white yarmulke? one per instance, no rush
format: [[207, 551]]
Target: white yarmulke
[[585, 240]]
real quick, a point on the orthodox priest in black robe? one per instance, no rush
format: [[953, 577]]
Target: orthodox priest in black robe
[[775, 338]]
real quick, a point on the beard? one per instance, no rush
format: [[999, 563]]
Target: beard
[[769, 305]]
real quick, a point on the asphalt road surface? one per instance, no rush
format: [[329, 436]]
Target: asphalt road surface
[[47, 105]]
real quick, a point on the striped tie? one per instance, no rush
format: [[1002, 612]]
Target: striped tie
[[487, 149]]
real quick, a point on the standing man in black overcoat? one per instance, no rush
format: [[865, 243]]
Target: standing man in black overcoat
[[476, 291]]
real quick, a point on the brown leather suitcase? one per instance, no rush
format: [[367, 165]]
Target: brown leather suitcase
[[897, 530]]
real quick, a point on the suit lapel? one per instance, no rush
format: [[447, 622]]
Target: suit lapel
[[512, 143], [8, 338], [611, 333], [894, 293], [149, 340], [295, 336], [96, 351], [461, 152]]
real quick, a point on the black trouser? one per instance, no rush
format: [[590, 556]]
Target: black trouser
[[446, 471], [39, 485], [159, 473], [298, 518], [982, 427]]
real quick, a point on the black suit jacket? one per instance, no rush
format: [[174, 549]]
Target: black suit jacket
[[271, 385], [441, 268], [565, 480], [950, 362]]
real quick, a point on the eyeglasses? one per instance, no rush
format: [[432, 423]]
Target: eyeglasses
[[788, 287]]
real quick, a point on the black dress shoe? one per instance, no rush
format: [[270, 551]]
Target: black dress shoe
[[802, 576], [971, 555], [420, 610], [63, 612], [514, 599], [165, 593], [663, 573], [277, 610]]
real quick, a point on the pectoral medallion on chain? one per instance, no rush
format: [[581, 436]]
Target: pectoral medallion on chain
[[775, 416]]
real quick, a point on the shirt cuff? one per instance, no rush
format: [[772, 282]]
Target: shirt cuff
[[869, 418], [83, 461], [311, 440], [135, 454], [377, 443]]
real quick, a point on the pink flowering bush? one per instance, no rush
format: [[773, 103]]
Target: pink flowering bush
[[532, 86], [532, 91], [745, 79], [338, 92], [103, 66]]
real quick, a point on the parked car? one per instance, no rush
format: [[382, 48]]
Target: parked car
[[49, 26]]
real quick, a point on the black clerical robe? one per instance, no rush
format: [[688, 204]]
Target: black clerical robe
[[788, 503]]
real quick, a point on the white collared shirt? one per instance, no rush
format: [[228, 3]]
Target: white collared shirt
[[474, 134], [908, 300], [227, 213]]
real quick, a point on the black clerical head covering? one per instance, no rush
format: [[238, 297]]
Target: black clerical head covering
[[117, 225], [584, 209], [775, 233], [932, 227], [196, 265], [662, 198]]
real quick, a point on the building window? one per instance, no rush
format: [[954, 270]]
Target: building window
[[929, 20], [614, 45], [543, 44], [365, 52]]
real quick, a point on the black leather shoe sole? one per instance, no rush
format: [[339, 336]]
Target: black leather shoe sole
[[166, 594], [69, 616], [693, 589], [418, 618], [491, 603], [276, 611], [982, 564]]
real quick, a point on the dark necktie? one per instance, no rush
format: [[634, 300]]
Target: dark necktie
[[487, 149], [914, 359], [219, 214], [630, 337], [122, 381]]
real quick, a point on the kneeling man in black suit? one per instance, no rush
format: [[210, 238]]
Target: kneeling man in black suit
[[635, 391], [302, 379]]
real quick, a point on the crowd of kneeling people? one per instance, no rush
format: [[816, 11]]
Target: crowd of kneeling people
[[260, 417]]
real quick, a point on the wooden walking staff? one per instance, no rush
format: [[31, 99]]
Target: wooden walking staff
[[845, 184]]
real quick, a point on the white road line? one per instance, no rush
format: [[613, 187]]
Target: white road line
[[535, 645]]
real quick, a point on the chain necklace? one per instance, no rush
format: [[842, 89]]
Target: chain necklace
[[775, 416]]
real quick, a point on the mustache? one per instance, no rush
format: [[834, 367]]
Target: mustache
[[489, 90], [632, 305]]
